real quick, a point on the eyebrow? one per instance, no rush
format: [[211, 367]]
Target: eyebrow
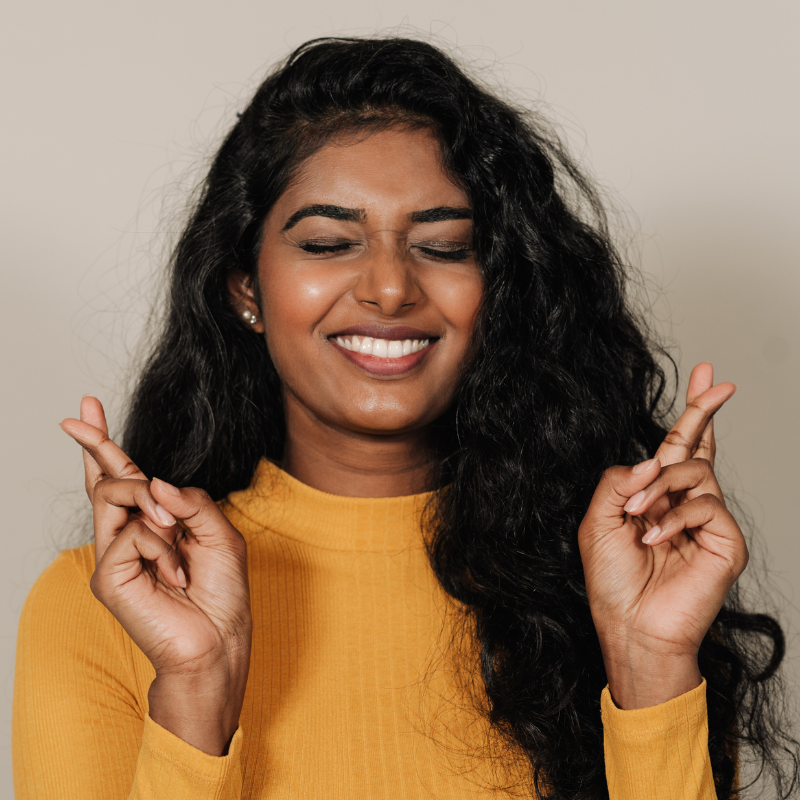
[[333, 212], [438, 214], [441, 214]]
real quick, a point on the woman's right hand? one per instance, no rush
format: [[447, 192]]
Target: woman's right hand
[[179, 590]]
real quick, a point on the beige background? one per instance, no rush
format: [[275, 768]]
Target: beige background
[[687, 111]]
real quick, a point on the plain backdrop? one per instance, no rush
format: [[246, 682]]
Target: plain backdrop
[[685, 112]]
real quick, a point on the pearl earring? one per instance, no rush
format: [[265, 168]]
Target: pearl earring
[[250, 317]]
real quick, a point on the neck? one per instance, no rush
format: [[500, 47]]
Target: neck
[[351, 463]]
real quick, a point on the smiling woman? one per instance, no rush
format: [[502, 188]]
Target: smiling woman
[[397, 513], [367, 254]]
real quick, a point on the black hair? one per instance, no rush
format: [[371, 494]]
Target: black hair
[[563, 384]]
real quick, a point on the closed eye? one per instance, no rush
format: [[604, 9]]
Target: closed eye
[[448, 255], [310, 247]]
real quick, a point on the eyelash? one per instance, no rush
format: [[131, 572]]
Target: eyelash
[[446, 255]]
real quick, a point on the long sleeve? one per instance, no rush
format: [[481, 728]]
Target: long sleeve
[[350, 691], [80, 726], [660, 753]]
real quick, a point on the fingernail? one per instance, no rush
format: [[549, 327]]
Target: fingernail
[[167, 487], [651, 535], [644, 466], [164, 515], [181, 577], [634, 502]]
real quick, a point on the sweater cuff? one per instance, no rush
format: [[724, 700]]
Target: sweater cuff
[[659, 752], [170, 767]]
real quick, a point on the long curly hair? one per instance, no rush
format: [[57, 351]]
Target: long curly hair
[[563, 384]]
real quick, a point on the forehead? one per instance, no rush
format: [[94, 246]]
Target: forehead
[[393, 171]]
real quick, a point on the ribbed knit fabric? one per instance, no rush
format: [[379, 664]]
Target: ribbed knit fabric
[[350, 693]]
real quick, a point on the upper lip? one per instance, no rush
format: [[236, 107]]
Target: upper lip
[[390, 332]]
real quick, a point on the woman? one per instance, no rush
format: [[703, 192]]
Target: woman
[[395, 513]]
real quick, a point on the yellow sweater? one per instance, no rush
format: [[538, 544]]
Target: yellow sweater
[[349, 693]]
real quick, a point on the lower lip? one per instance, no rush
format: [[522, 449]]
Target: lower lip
[[384, 366]]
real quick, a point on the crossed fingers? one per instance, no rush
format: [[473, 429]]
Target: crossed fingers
[[102, 458], [693, 433], [116, 487]]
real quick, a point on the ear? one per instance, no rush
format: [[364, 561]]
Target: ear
[[243, 300]]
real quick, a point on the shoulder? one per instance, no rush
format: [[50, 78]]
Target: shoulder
[[66, 634], [68, 575], [74, 662], [61, 605]]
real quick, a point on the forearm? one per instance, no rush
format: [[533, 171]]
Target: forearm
[[659, 752]]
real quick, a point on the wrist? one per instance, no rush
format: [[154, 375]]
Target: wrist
[[203, 706], [640, 677]]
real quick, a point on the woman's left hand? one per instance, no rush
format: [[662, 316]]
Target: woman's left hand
[[660, 551]]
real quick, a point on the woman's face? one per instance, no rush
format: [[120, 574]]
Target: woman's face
[[369, 286]]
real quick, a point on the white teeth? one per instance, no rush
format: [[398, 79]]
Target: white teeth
[[382, 348]]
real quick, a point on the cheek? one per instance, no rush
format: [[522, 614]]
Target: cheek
[[295, 299], [458, 295]]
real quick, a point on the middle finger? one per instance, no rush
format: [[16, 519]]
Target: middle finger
[[701, 379]]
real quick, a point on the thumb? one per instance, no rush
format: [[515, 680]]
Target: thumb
[[618, 485], [195, 508]]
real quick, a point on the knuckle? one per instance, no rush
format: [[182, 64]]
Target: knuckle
[[698, 407], [745, 556], [97, 585], [239, 544], [93, 447], [704, 464], [143, 537], [709, 504], [676, 439], [200, 495], [101, 489], [142, 492], [128, 469], [200, 499], [136, 530], [612, 475], [711, 500]]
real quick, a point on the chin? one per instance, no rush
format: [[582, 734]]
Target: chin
[[387, 422]]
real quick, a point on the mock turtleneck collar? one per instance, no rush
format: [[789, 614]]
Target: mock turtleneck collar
[[277, 502]]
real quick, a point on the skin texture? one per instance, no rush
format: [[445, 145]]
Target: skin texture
[[180, 590]]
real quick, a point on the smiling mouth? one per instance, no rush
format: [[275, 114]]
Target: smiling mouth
[[384, 351], [382, 348]]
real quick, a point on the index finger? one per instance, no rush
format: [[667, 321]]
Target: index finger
[[92, 412], [684, 437], [702, 378], [111, 459]]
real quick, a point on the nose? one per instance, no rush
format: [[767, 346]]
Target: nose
[[388, 282]]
